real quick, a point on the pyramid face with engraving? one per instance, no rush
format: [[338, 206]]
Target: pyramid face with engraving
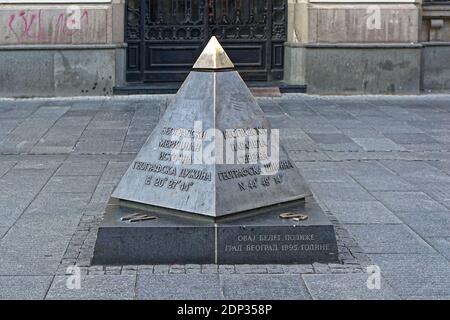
[[213, 152]]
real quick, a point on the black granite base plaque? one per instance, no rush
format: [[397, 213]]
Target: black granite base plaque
[[254, 237], [266, 238]]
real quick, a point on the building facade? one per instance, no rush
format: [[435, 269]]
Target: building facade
[[101, 47]]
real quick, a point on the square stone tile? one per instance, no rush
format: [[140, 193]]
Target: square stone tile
[[408, 202], [3, 231], [28, 133], [362, 132], [415, 275], [427, 147], [395, 127], [361, 212], [30, 251], [5, 166], [337, 191], [438, 191], [308, 156], [325, 138], [377, 181], [377, 144], [103, 192], [317, 125], [11, 208], [178, 287], [24, 287], [94, 287], [98, 146], [352, 286], [325, 175], [59, 203], [417, 172], [7, 125], [427, 224], [81, 168], [441, 244], [24, 182], [386, 238], [262, 287], [75, 184], [36, 243], [114, 171], [410, 138], [347, 147]]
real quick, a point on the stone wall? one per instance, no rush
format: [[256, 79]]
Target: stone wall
[[376, 47], [436, 23], [362, 34], [65, 71], [349, 22], [362, 69], [37, 24], [435, 37], [60, 49]]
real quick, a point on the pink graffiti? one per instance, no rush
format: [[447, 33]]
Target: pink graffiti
[[62, 23], [34, 25]]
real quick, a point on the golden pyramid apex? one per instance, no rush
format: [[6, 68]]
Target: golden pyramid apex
[[213, 57]]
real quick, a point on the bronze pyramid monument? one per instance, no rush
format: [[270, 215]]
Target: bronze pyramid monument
[[212, 185], [213, 97]]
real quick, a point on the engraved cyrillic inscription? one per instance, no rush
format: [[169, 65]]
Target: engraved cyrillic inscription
[[183, 144], [175, 157], [157, 168], [275, 242]]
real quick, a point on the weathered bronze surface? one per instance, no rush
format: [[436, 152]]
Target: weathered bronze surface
[[210, 105], [294, 216], [143, 218], [131, 216], [136, 217], [213, 57]]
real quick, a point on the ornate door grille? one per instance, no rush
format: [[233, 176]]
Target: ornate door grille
[[166, 36]]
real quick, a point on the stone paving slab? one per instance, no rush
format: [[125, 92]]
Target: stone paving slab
[[381, 181], [408, 202], [417, 172], [5, 166], [415, 275], [388, 238], [428, 224], [338, 191], [11, 109], [59, 204], [82, 168], [346, 287], [362, 212], [73, 184], [263, 287], [379, 166], [440, 244], [26, 135], [24, 287], [178, 286], [33, 250], [103, 287], [377, 144]]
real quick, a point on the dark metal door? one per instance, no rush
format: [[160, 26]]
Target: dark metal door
[[165, 37]]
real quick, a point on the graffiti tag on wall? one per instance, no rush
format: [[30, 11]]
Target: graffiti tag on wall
[[44, 25]]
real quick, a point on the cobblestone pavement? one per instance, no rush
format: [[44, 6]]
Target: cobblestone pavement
[[379, 166]]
